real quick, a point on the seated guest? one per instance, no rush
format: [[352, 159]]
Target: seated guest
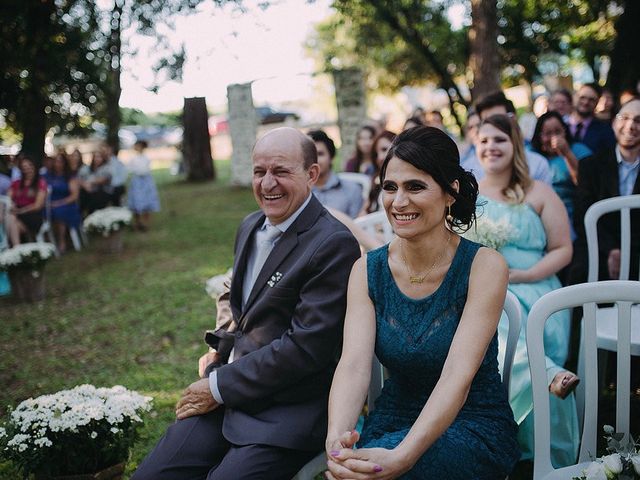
[[498, 104], [5, 174], [551, 138], [561, 101], [362, 160], [119, 174], [468, 157], [94, 182], [28, 195], [584, 126], [611, 173], [381, 145], [428, 304], [412, 122], [76, 164], [333, 192], [538, 247], [260, 410], [65, 190]]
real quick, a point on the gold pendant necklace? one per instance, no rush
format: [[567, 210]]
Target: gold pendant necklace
[[418, 279]]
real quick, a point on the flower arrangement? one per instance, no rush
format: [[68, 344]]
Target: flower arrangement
[[622, 463], [78, 431], [107, 220], [489, 233], [27, 256]]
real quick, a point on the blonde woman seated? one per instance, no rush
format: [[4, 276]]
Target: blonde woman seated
[[537, 248], [428, 304]]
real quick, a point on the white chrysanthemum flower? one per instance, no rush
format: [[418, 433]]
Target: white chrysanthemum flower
[[489, 233], [34, 253], [108, 220]]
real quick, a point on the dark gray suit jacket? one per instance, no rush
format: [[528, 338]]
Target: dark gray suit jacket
[[288, 336]]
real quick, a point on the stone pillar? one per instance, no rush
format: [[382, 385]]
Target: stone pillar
[[243, 126], [352, 107]]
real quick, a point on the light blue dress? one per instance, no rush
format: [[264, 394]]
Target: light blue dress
[[413, 337], [526, 246], [561, 179]]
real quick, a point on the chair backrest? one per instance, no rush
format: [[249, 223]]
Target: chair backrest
[[5, 208], [624, 205], [361, 179], [623, 294], [511, 308], [376, 224]]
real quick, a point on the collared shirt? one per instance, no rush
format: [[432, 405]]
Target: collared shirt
[[627, 173], [246, 288], [340, 194], [538, 165], [119, 172]]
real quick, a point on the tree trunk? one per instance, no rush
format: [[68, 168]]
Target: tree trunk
[[196, 142], [625, 58], [34, 124], [114, 89], [484, 59]]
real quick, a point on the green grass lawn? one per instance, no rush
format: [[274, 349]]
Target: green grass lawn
[[136, 318]]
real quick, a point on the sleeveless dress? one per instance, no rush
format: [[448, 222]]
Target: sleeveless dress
[[68, 214], [525, 247], [412, 341]]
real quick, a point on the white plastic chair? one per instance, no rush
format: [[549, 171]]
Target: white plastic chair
[[45, 228], [607, 325], [5, 208], [586, 295], [361, 179], [512, 309], [376, 224]]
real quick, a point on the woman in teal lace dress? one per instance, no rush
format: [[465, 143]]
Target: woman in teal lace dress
[[538, 246], [428, 304]]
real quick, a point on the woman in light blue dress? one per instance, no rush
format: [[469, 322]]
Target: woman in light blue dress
[[537, 247], [552, 139], [142, 198]]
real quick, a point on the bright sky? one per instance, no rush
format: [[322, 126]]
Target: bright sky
[[225, 46]]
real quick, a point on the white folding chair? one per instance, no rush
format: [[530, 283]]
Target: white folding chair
[[45, 228], [376, 224], [607, 325], [378, 375], [623, 293], [361, 179], [5, 208]]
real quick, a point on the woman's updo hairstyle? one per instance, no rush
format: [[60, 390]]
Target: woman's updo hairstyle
[[431, 150]]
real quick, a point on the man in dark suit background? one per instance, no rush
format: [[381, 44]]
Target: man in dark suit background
[[612, 173], [261, 410], [584, 126]]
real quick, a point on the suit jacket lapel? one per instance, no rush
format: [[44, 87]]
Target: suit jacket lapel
[[281, 250], [240, 267]]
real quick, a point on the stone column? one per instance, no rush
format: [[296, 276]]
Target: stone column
[[243, 125], [352, 107]]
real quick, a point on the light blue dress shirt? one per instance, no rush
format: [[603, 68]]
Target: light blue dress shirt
[[627, 173]]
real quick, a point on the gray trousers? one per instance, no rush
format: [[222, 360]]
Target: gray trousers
[[195, 449]]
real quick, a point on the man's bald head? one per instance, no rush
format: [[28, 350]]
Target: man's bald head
[[287, 137]]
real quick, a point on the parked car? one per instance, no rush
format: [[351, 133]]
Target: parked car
[[268, 115]]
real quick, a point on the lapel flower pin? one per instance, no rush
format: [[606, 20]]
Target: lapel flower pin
[[275, 278]]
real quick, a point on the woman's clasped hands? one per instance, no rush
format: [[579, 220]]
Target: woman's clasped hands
[[345, 463]]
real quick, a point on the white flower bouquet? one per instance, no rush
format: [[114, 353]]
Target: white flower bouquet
[[107, 220], [489, 233], [78, 431], [622, 463], [27, 256]]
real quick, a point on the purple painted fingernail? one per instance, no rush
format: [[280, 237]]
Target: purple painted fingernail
[[377, 469], [335, 453]]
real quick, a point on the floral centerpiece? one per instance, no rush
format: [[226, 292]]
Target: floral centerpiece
[[71, 432], [622, 463], [109, 223], [25, 264], [489, 233]]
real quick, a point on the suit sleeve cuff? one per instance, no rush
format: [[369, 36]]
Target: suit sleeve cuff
[[213, 386]]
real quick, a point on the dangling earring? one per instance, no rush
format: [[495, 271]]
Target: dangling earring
[[449, 217]]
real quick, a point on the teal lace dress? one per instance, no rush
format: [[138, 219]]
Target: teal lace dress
[[525, 247], [412, 341]]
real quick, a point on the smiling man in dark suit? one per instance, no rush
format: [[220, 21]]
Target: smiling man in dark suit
[[260, 412]]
